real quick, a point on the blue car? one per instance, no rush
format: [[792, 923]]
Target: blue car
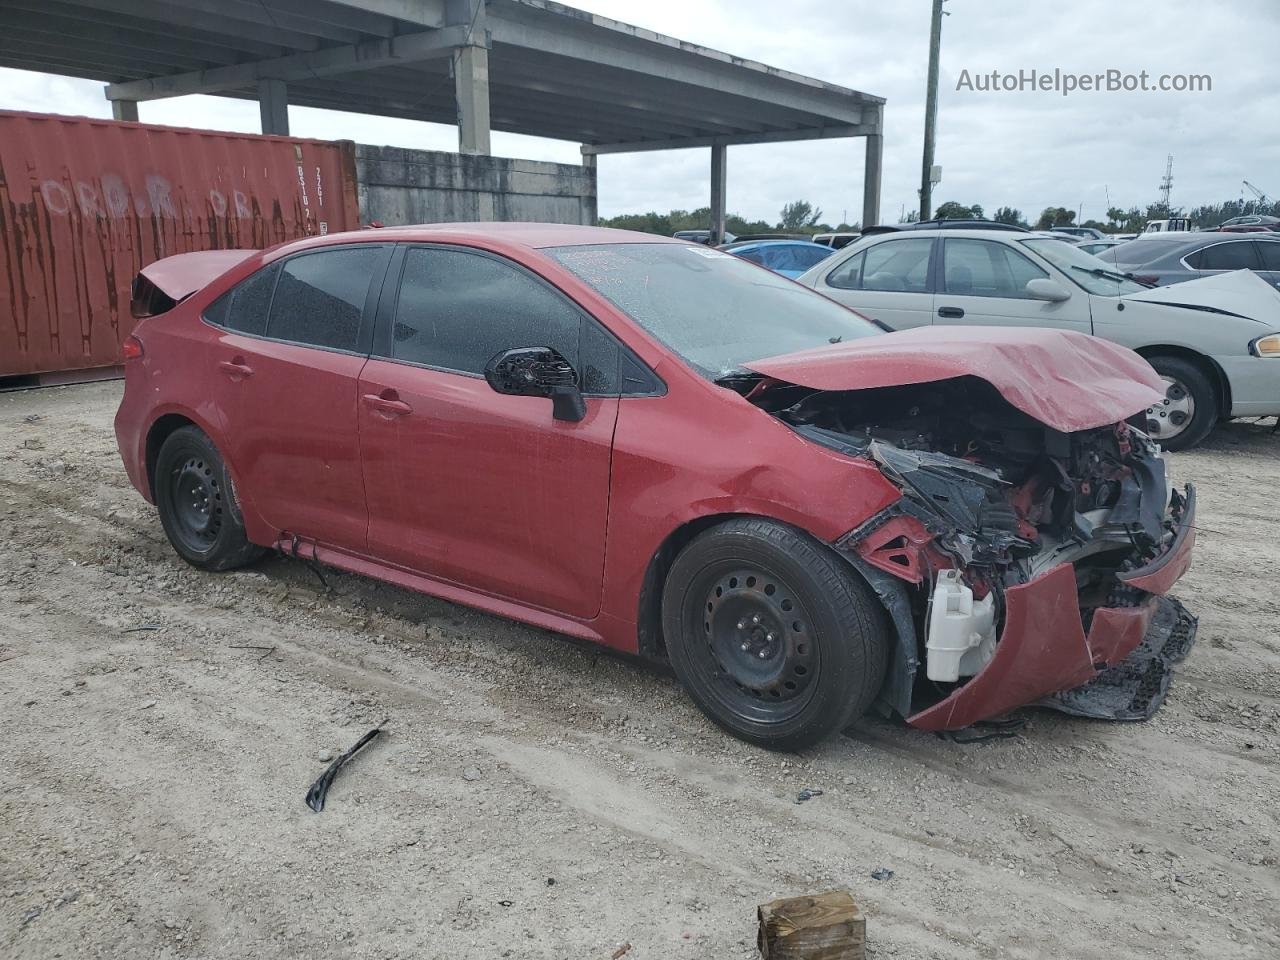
[[787, 257]]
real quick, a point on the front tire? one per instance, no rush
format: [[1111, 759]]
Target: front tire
[[774, 637], [197, 505], [1189, 408]]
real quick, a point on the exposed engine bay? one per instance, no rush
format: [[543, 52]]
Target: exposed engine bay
[[993, 499]]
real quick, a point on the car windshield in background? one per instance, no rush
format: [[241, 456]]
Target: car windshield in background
[[713, 309], [1083, 269]]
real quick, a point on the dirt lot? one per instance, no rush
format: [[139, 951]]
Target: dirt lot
[[539, 798]]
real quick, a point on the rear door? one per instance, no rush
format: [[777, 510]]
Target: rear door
[[888, 281], [983, 282], [468, 485], [294, 364]]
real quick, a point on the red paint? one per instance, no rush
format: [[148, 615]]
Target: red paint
[[898, 548], [1066, 380], [86, 204]]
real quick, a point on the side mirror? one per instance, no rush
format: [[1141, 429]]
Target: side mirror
[[1042, 288], [538, 372]]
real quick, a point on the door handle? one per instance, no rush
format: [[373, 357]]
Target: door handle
[[388, 403], [951, 313], [236, 368]]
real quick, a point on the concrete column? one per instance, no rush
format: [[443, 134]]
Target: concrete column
[[124, 110], [471, 89], [719, 181], [871, 180], [273, 104], [590, 205]]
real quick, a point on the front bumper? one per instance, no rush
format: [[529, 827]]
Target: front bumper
[[1044, 655]]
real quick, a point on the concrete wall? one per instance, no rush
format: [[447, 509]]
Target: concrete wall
[[399, 186]]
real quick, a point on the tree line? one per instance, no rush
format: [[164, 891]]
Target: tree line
[[802, 217], [799, 216]]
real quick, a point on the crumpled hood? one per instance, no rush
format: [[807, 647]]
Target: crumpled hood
[[1066, 380], [183, 274], [1240, 292]]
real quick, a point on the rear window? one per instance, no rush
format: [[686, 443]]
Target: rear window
[[1238, 255], [244, 307]]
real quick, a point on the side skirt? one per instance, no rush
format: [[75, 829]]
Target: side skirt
[[307, 550]]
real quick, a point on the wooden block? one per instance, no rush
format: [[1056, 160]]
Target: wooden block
[[827, 926]]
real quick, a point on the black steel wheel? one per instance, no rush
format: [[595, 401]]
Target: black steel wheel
[[774, 636], [197, 505]]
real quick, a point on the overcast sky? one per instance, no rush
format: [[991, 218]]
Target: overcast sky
[[1023, 149]]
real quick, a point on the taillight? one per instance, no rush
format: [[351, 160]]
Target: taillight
[[131, 348]]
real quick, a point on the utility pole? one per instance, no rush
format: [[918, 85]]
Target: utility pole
[[930, 113]]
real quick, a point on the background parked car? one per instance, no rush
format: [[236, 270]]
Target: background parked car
[[1095, 247], [1173, 224], [1254, 223], [701, 236], [787, 257], [836, 241], [1084, 233], [1167, 258], [1230, 366]]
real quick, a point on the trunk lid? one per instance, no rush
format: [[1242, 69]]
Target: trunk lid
[[181, 275], [1065, 380]]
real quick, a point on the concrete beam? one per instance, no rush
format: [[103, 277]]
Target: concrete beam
[[590, 205], [871, 180], [719, 186], [423, 13], [628, 50], [213, 22], [299, 66], [471, 89], [124, 110], [273, 105], [776, 136]]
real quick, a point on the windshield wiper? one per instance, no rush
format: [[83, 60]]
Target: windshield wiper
[[1110, 275]]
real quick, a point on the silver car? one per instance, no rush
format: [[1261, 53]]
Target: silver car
[[1215, 341]]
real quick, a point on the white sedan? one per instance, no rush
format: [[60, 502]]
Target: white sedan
[[1215, 341]]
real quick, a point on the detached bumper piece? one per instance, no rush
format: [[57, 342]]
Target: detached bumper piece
[[1135, 687]]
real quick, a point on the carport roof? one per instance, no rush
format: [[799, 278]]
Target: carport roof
[[554, 71]]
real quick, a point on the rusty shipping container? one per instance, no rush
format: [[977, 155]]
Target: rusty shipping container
[[85, 204]]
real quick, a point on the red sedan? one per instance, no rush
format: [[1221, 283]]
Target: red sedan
[[668, 450]]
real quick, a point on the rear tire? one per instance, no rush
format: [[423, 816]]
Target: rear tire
[[1190, 407], [197, 504], [774, 637]]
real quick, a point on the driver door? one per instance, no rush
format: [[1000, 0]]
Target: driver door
[[983, 282], [467, 485]]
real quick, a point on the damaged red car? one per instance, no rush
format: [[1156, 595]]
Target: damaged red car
[[671, 451]]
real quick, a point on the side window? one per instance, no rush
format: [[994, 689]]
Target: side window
[[1237, 255], [1269, 250], [848, 276], [244, 307], [320, 297], [898, 266], [983, 268], [457, 310]]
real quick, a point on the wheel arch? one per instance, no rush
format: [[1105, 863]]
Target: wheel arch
[[160, 430], [1217, 376]]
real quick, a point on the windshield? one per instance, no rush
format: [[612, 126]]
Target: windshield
[[1082, 268], [715, 310]]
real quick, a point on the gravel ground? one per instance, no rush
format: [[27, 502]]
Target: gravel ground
[[538, 798]]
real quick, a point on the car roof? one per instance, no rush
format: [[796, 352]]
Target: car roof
[[975, 233], [531, 235]]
